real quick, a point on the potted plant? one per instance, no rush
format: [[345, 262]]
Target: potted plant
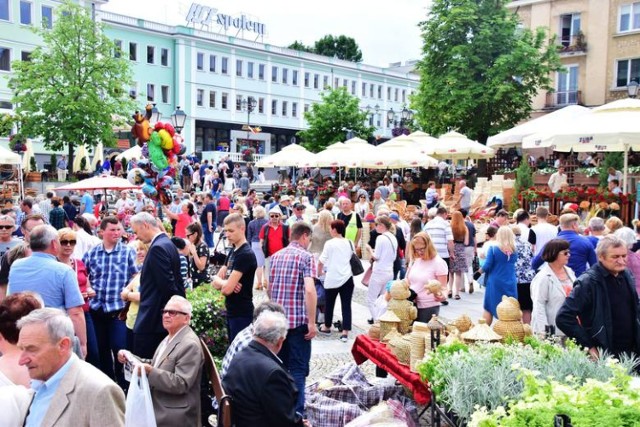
[[34, 175], [586, 176], [17, 143], [247, 154]]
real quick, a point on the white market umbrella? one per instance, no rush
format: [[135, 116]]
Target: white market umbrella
[[337, 155], [397, 156], [81, 153], [454, 145], [98, 154], [358, 146], [135, 151], [613, 127], [427, 143], [104, 182], [8, 157], [291, 155], [514, 136]]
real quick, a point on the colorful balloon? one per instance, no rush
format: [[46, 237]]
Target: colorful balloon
[[166, 140], [136, 176], [150, 191]]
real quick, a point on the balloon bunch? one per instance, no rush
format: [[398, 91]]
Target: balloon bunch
[[156, 170]]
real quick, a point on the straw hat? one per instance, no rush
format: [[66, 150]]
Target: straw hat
[[481, 332]]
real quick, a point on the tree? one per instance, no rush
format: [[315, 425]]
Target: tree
[[342, 47], [331, 119], [480, 70], [296, 45], [71, 90]]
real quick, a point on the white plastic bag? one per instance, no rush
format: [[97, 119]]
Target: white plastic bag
[[139, 411]]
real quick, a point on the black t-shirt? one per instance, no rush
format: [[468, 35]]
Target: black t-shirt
[[347, 218], [209, 207], [243, 260], [199, 277]]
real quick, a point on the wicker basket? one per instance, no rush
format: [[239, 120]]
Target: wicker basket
[[481, 332], [374, 332], [388, 322], [401, 347], [418, 335], [391, 335], [509, 328], [462, 323], [509, 309]]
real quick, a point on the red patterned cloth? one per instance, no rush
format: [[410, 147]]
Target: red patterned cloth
[[366, 348]]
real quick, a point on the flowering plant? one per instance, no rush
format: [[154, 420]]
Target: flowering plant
[[546, 171], [247, 154], [208, 318], [590, 172], [17, 143], [532, 193]]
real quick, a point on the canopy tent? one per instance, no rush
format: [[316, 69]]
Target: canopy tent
[[291, 155], [513, 137], [397, 155], [613, 127], [454, 145], [135, 151], [337, 155], [80, 154]]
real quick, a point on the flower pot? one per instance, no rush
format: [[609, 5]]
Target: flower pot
[[541, 179], [34, 177], [580, 179]]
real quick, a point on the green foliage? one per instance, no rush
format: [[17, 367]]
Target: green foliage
[[479, 71], [341, 47], [208, 318], [54, 161], [330, 119], [83, 164], [33, 165], [296, 45], [6, 124], [524, 181], [611, 160], [73, 87]]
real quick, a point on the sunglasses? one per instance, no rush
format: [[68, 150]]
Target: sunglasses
[[173, 313], [274, 216], [190, 234], [68, 242], [6, 227]]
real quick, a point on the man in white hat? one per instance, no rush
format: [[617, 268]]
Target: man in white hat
[[285, 206], [274, 236]]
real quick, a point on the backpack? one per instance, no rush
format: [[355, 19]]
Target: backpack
[[185, 169]]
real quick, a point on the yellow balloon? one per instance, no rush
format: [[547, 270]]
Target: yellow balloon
[[167, 141]]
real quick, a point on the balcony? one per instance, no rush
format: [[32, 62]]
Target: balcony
[[562, 99], [571, 45]]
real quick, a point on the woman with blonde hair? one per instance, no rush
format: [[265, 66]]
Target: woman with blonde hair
[[131, 293], [613, 224], [500, 270], [424, 265], [321, 233], [459, 263]]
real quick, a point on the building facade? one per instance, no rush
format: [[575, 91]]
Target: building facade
[[599, 46], [209, 74]]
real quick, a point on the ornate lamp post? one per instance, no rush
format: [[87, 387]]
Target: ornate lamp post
[[156, 115], [178, 119], [249, 105], [632, 88], [405, 116]]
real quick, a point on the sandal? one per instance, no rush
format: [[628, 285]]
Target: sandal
[[456, 297], [324, 331]]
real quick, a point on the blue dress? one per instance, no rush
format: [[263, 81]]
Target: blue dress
[[500, 279]]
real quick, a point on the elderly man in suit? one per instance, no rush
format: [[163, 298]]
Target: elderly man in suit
[[263, 392], [160, 278], [175, 371], [68, 391]]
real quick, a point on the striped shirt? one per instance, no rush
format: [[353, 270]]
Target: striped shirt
[[289, 267], [109, 273], [439, 230]]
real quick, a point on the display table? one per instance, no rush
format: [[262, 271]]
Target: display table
[[366, 348]]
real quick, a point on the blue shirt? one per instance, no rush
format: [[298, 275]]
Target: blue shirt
[[87, 201], [56, 282], [44, 394], [582, 252], [109, 273]]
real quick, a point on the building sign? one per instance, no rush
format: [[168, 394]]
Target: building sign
[[204, 15]]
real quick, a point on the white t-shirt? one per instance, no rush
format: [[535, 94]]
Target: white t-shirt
[[229, 185], [465, 197], [544, 232], [335, 257]]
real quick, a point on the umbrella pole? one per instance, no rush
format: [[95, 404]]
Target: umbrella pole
[[626, 168]]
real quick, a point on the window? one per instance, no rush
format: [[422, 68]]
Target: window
[[133, 91], [212, 63], [25, 56], [5, 59], [567, 86], [117, 49], [294, 77], [164, 94], [225, 97], [372, 87], [25, 13], [628, 69], [199, 97], [306, 108], [250, 70], [212, 99], [239, 67], [261, 105], [353, 87], [47, 16], [274, 74], [151, 89], [569, 28], [274, 107], [294, 109], [200, 61], [4, 10], [396, 96], [224, 67], [306, 79], [151, 51], [629, 17], [364, 89], [261, 71], [238, 102], [325, 82], [379, 91], [345, 83], [285, 75], [133, 51], [336, 83], [388, 94], [404, 95], [285, 106], [164, 57], [316, 79]]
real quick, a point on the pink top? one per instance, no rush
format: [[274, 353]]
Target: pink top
[[633, 264], [184, 219], [420, 272]]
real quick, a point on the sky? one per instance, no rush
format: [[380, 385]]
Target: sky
[[386, 32]]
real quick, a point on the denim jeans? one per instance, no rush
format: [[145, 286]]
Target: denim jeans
[[296, 354], [111, 334], [237, 324], [208, 236], [92, 342]]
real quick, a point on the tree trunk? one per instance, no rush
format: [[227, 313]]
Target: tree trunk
[[70, 159]]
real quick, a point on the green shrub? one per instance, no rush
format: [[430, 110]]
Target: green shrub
[[208, 318]]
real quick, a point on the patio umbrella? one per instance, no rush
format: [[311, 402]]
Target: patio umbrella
[[135, 151], [105, 182], [26, 157], [291, 155], [397, 155], [454, 145], [80, 154], [98, 154], [337, 155], [612, 127], [513, 137], [427, 143]]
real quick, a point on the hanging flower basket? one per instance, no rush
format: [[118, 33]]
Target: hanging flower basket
[[17, 143]]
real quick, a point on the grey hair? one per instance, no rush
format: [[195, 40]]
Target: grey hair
[[609, 241], [270, 326], [8, 218], [432, 212], [596, 224], [627, 235], [267, 306], [186, 305], [57, 322], [144, 218], [42, 236], [259, 211]]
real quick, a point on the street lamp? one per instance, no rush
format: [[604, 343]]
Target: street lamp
[[632, 88], [405, 115], [155, 114], [178, 119], [248, 105]]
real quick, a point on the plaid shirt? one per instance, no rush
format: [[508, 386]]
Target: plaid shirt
[[240, 342], [289, 267], [109, 273], [57, 218]]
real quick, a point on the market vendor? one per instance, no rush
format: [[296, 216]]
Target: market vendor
[[602, 310]]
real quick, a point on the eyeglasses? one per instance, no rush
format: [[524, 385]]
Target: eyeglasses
[[174, 313], [190, 234], [6, 227], [68, 242]]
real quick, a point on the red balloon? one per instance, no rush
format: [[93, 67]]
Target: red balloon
[[169, 128], [158, 126]]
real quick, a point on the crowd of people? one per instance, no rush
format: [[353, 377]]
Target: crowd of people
[[90, 291]]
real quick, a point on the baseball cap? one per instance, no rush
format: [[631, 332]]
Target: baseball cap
[[394, 216], [370, 217]]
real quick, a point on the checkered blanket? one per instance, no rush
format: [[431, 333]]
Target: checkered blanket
[[351, 396]]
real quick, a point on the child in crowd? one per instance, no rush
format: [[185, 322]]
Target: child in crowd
[[181, 245]]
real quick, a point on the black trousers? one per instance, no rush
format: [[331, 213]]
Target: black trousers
[[145, 345], [346, 292]]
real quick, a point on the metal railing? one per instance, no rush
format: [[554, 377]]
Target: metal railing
[[560, 99]]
